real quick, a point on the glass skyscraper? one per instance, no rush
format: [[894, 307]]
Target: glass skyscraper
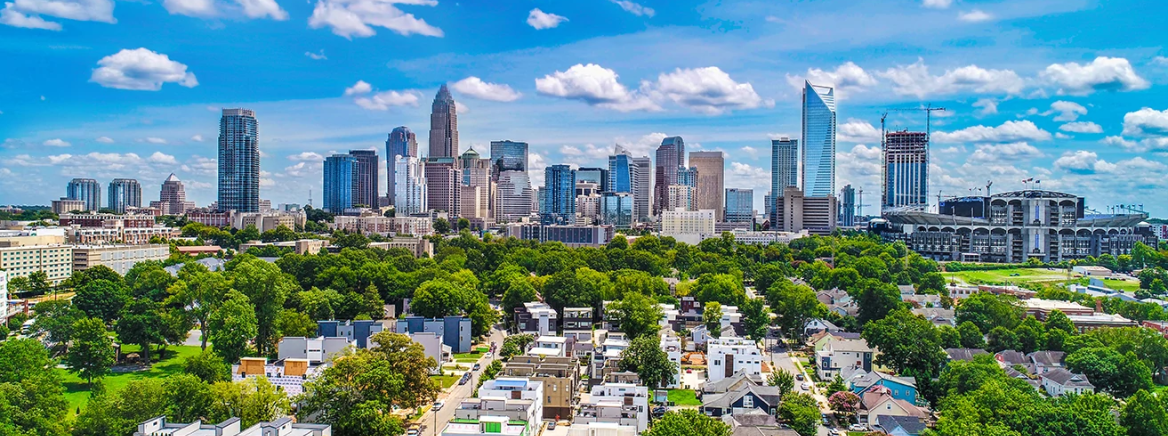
[[559, 195], [599, 176], [124, 192], [239, 161], [401, 142], [87, 191], [739, 205], [819, 129], [339, 182], [508, 156], [366, 177], [906, 171], [410, 185], [784, 169], [670, 157], [616, 209]]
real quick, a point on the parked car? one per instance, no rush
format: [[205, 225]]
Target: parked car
[[858, 427], [477, 366], [437, 406], [551, 425], [659, 411], [414, 430], [805, 386], [465, 378], [799, 376]]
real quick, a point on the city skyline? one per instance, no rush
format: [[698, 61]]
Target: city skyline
[[1073, 117]]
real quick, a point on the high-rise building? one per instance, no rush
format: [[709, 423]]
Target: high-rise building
[[443, 182], [443, 125], [409, 185], [819, 130], [739, 205], [847, 215], [817, 215], [478, 190], [559, 202], [681, 197], [476, 171], [711, 181], [784, 169], [87, 191], [514, 196], [616, 209], [599, 176], [906, 171], [587, 201], [124, 192], [339, 182], [687, 177], [239, 161], [643, 190], [172, 199], [366, 177], [508, 155], [632, 175], [670, 157], [401, 142]]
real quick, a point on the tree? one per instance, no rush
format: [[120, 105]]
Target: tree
[[795, 306], [101, 299], [1001, 338], [38, 283], [907, 343], [92, 353], [971, 336], [844, 403], [988, 310], [482, 315], [293, 323], [636, 314], [189, 397], [56, 318], [253, 400], [515, 345], [1057, 320], [1031, 335], [836, 385], [687, 422], [722, 288], [232, 326], [519, 291], [1120, 374], [712, 318], [200, 293], [949, 337], [645, 357], [354, 395], [801, 412], [755, 318], [441, 226], [1145, 414], [783, 380], [408, 359], [266, 287], [932, 283], [32, 400], [436, 299], [141, 324], [876, 300], [208, 367]]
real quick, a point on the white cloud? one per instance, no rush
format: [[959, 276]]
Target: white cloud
[[595, 85], [56, 142], [1081, 127], [104, 140], [197, 138], [461, 108], [477, 88], [709, 90], [915, 80], [141, 70], [542, 20], [262, 8], [1004, 153], [1146, 121], [974, 16], [744, 175], [845, 78], [1061, 135], [1102, 74], [27, 13], [937, 4], [384, 100], [159, 157], [316, 56], [860, 167], [191, 8], [307, 156], [635, 8], [361, 87], [988, 106], [1067, 110], [154, 140], [855, 130], [349, 18], [1083, 162], [1009, 131], [643, 146], [1160, 60]]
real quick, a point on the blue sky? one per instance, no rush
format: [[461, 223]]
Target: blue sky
[[1068, 92]]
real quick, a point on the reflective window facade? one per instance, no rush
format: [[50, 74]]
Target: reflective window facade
[[819, 129], [239, 161]]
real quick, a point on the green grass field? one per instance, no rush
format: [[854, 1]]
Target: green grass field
[[77, 391], [446, 380], [684, 397], [1013, 275], [472, 356]]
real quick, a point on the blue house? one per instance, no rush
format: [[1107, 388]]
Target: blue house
[[901, 388], [454, 330]]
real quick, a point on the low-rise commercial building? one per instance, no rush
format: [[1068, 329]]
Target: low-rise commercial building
[[23, 253], [302, 246], [505, 406], [119, 258]]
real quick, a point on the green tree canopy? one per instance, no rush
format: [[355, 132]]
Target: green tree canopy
[[645, 357]]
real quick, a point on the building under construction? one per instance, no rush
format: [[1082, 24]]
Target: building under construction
[[906, 171]]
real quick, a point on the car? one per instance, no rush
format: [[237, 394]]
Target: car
[[476, 367], [551, 425], [799, 376], [437, 406], [805, 386], [834, 432], [857, 427], [414, 430], [465, 378], [689, 371], [488, 355]]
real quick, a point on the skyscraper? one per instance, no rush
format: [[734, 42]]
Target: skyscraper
[[819, 130], [599, 176], [443, 125], [559, 201], [340, 182], [508, 155], [172, 198], [239, 161], [643, 189], [631, 175], [847, 202], [443, 184], [739, 205], [366, 177], [124, 192], [906, 171], [616, 209], [670, 157], [514, 196], [87, 191], [784, 169], [711, 181], [401, 142], [409, 185], [478, 190]]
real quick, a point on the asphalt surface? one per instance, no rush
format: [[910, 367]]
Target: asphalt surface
[[432, 422]]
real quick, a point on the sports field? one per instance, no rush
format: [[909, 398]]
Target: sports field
[[1013, 275]]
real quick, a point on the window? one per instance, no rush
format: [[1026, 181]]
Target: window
[[748, 401]]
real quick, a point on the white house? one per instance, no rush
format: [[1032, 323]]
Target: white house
[[730, 355], [505, 406], [671, 344], [1057, 382], [616, 403], [545, 346], [843, 354]]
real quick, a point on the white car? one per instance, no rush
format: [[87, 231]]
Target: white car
[[858, 427], [806, 386], [437, 406]]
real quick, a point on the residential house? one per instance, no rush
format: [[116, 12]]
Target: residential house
[[455, 330], [746, 397], [899, 425], [577, 324], [838, 355], [1060, 381], [560, 378], [820, 325], [357, 332], [287, 374], [671, 345], [536, 318], [506, 405], [733, 383], [964, 354], [158, 426], [730, 355], [938, 316], [606, 360], [819, 340], [1042, 362], [879, 401], [616, 403], [1160, 326], [549, 346], [922, 300], [901, 388], [1011, 358], [756, 423]]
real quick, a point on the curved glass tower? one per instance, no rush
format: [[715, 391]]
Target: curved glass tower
[[818, 141]]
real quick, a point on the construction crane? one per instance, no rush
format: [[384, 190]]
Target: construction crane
[[928, 138], [860, 204]]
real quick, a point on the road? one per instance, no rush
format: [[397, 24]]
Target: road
[[784, 361], [434, 422]]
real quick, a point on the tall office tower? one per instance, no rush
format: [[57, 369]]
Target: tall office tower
[[711, 181], [631, 175], [410, 185], [124, 192], [818, 141], [559, 199], [443, 125], [401, 142], [616, 209], [87, 191], [514, 196], [739, 205], [478, 190], [906, 171], [847, 202], [508, 155], [681, 197], [587, 201], [643, 190], [239, 161], [599, 176], [340, 182], [687, 177], [172, 199], [443, 184], [476, 171], [670, 157], [784, 169], [366, 177]]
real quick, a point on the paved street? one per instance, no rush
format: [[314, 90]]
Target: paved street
[[784, 361], [457, 393]]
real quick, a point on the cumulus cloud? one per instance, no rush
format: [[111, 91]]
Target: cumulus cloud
[[634, 8], [594, 85], [1061, 135], [197, 138], [104, 140], [860, 166], [316, 56], [1160, 60], [988, 106], [361, 87], [937, 4], [379, 101], [307, 156], [916, 80], [1066, 110], [1008, 152], [55, 142], [140, 70], [745, 175], [154, 140], [1010, 131], [28, 13], [542, 20], [1146, 121], [159, 157], [709, 90], [974, 16], [642, 146], [1083, 162], [845, 78], [349, 18], [855, 130], [1081, 127], [1102, 74], [477, 88], [236, 8]]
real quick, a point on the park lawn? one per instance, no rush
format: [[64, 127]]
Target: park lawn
[[1002, 276], [684, 397], [77, 391], [470, 357], [446, 380], [1122, 285]]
